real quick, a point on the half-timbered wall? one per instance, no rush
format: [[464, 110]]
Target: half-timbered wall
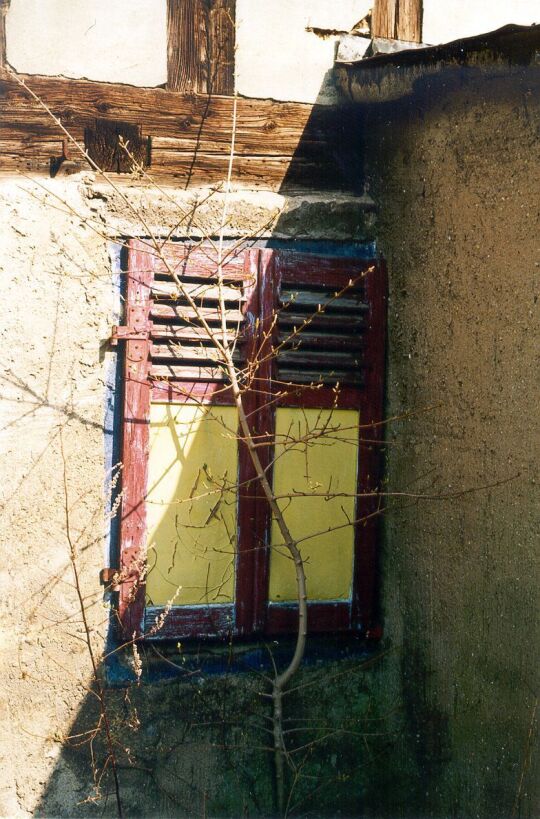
[[283, 49]]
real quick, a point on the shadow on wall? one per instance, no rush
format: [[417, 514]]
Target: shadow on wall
[[451, 167]]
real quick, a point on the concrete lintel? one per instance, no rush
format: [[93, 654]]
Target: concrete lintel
[[254, 214]]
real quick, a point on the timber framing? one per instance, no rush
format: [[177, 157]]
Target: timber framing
[[200, 46], [278, 146]]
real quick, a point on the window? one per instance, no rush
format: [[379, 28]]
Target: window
[[197, 542]]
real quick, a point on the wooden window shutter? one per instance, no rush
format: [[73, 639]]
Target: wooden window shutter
[[309, 335]]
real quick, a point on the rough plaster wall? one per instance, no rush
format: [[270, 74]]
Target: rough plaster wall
[[55, 317], [443, 21], [108, 40], [455, 172], [56, 297], [277, 56]]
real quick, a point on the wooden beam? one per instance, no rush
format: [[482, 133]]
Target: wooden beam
[[383, 19], [186, 47], [4, 5], [200, 46], [397, 20], [409, 21], [278, 146], [222, 42]]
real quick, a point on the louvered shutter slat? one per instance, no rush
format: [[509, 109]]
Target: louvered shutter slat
[[181, 347]]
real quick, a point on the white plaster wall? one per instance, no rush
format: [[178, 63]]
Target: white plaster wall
[[56, 310], [444, 21], [108, 40], [278, 57]]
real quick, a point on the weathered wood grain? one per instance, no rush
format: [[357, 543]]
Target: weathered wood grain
[[200, 262], [383, 19], [200, 46], [269, 172], [135, 438], [409, 20], [397, 20], [188, 333], [170, 351], [179, 311], [3, 10], [278, 146], [222, 41], [105, 143], [306, 340], [199, 292], [186, 46], [183, 372]]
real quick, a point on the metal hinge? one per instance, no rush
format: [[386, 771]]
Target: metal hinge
[[106, 577], [123, 333]]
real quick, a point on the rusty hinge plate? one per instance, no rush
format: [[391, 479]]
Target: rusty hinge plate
[[122, 333], [106, 577]]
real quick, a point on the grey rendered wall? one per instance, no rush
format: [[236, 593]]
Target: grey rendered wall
[[454, 169]]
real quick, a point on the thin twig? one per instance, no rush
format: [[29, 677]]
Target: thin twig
[[100, 691]]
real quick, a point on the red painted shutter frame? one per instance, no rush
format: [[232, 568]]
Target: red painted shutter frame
[[139, 389], [136, 417], [248, 535]]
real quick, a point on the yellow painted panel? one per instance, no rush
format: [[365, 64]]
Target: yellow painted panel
[[325, 461], [191, 504]]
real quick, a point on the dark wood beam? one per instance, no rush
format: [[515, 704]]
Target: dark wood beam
[[222, 43], [105, 140], [200, 46], [186, 47], [278, 146]]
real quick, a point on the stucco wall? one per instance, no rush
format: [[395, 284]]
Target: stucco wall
[[444, 21], [56, 306], [279, 54], [454, 168], [108, 40], [284, 48]]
